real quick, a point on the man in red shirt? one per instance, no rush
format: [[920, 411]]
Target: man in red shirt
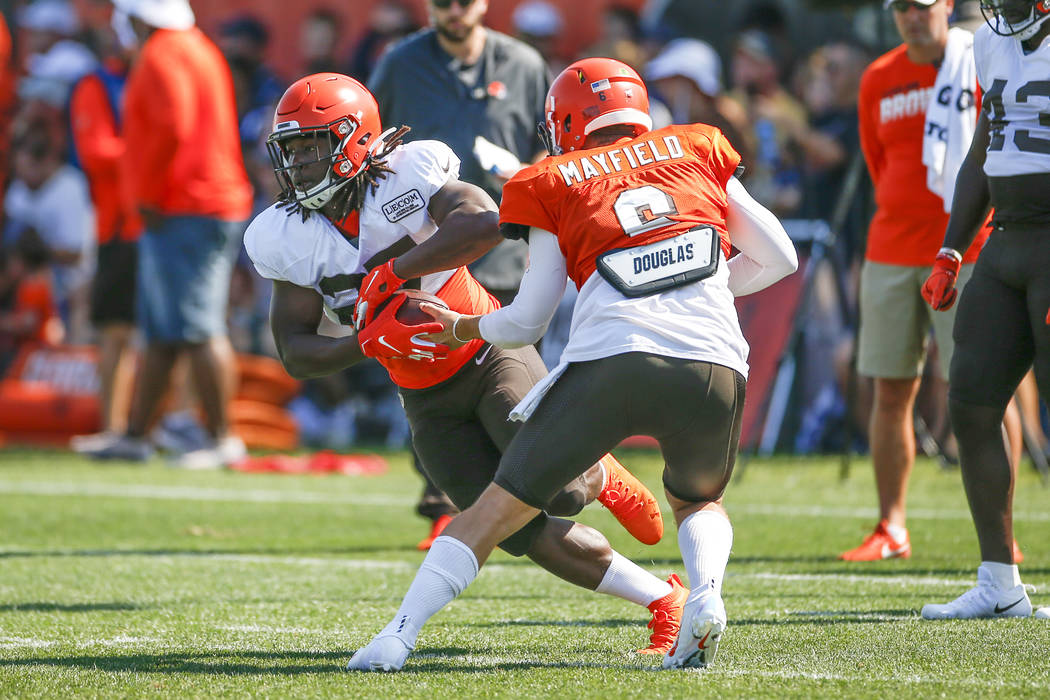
[[183, 171], [904, 236]]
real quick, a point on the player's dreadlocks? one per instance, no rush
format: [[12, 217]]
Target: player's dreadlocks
[[351, 197]]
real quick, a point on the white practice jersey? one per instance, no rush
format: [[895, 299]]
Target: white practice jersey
[[1016, 91], [316, 255]]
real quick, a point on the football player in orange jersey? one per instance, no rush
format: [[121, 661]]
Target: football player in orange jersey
[[640, 220], [353, 199]]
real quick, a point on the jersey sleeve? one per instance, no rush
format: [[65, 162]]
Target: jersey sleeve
[[280, 246], [527, 202], [256, 245], [723, 158]]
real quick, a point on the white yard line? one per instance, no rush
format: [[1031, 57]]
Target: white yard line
[[199, 493], [31, 643], [182, 558], [193, 493]]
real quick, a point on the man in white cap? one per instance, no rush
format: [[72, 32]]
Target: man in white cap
[[186, 177], [687, 77]]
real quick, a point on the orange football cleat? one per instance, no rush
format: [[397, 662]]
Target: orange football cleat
[[631, 502], [435, 530], [879, 545], [1018, 554], [667, 618]]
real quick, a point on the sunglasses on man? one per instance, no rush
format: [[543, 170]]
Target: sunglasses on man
[[445, 4]]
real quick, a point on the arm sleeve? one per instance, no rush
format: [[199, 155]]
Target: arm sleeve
[[766, 252], [98, 145], [869, 142], [525, 319], [167, 112]]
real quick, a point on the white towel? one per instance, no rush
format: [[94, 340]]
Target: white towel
[[495, 160], [527, 405], [951, 117]]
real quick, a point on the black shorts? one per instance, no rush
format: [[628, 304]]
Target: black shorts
[[1000, 327], [692, 408], [460, 427], [113, 289]]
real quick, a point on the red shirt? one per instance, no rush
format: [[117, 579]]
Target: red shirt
[[909, 224], [100, 149], [183, 151], [636, 191]]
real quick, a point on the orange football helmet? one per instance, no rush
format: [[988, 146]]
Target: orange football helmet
[[342, 116], [590, 94]]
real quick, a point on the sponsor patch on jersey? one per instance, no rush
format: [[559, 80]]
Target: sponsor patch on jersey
[[403, 205]]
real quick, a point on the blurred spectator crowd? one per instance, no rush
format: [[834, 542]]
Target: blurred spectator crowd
[[789, 109]]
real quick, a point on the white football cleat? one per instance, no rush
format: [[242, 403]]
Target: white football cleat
[[383, 653], [983, 600], [703, 623]]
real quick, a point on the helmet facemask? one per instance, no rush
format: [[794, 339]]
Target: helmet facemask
[[1020, 19], [548, 130], [320, 167]]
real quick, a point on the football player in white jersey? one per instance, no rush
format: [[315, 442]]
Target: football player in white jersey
[[1001, 326], [353, 199], [640, 220]]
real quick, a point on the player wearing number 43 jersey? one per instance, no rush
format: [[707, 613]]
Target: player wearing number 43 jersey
[[353, 199], [1001, 326], [642, 222]]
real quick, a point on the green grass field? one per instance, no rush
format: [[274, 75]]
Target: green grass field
[[120, 580]]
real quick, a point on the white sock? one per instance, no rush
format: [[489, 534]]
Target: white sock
[[625, 579], [705, 538], [448, 568], [897, 532], [1006, 576]]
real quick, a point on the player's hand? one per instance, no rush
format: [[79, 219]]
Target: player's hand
[[448, 319], [376, 288], [387, 337], [939, 289]]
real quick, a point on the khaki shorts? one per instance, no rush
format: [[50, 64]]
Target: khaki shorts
[[895, 321]]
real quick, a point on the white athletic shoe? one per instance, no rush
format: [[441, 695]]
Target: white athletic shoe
[[703, 623], [383, 653], [84, 444], [985, 599], [218, 455]]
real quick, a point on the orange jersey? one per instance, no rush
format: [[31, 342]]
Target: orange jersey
[[183, 152], [464, 294], [909, 223], [636, 191]]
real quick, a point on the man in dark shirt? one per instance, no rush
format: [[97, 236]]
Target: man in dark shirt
[[457, 81], [481, 92]]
